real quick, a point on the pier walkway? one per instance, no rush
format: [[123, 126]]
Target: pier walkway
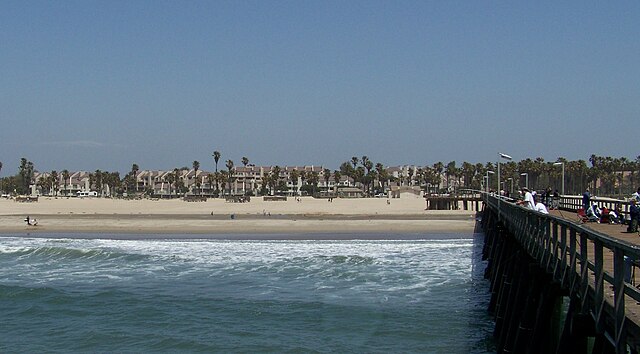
[[558, 285]]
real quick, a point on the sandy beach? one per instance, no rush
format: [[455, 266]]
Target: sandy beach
[[216, 216]]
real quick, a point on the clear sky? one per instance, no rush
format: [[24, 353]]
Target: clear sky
[[105, 84]]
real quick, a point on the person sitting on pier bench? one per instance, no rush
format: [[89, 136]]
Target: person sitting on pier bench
[[594, 213], [609, 216]]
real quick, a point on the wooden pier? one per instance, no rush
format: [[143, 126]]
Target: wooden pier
[[558, 286], [453, 202]]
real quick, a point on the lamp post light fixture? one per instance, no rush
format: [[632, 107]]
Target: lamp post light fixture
[[561, 163], [526, 180]]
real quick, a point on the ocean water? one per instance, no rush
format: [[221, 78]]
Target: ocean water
[[421, 295]]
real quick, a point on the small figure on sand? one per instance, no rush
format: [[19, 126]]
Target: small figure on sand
[[31, 222]]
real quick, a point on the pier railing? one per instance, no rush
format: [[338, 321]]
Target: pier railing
[[574, 202], [591, 267]]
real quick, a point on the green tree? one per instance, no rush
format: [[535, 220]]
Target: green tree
[[336, 179], [171, 179], [134, 173], [196, 167], [294, 175], [25, 176], [326, 173], [65, 177], [54, 182], [211, 181], [216, 157], [229, 165]]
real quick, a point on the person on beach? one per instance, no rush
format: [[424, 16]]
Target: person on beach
[[27, 220]]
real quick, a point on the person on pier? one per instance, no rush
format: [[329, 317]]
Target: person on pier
[[634, 213], [541, 208], [528, 200], [594, 213], [586, 200], [636, 196]]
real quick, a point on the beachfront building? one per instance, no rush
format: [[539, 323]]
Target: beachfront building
[[245, 180], [77, 182]]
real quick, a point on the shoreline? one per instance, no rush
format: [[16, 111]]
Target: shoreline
[[214, 218]]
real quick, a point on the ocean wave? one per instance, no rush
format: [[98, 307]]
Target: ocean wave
[[66, 253]]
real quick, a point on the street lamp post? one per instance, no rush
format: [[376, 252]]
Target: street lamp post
[[526, 179], [511, 191], [561, 163], [506, 157], [487, 177], [502, 156]]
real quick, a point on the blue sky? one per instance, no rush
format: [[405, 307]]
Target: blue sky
[[105, 84]]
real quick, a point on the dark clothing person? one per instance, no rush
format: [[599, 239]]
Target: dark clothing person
[[634, 213], [586, 200]]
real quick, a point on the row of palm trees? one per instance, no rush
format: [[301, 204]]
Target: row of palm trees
[[604, 175]]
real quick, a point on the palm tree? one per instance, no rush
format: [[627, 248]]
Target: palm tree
[[275, 178], [54, 183], [229, 165], [171, 179], [25, 175], [382, 175], [368, 165], [196, 167], [449, 171], [219, 178], [216, 157], [314, 178], [65, 177], [134, 173], [327, 175], [294, 175], [354, 162], [211, 180], [245, 162], [347, 170], [98, 181], [176, 181], [336, 179]]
